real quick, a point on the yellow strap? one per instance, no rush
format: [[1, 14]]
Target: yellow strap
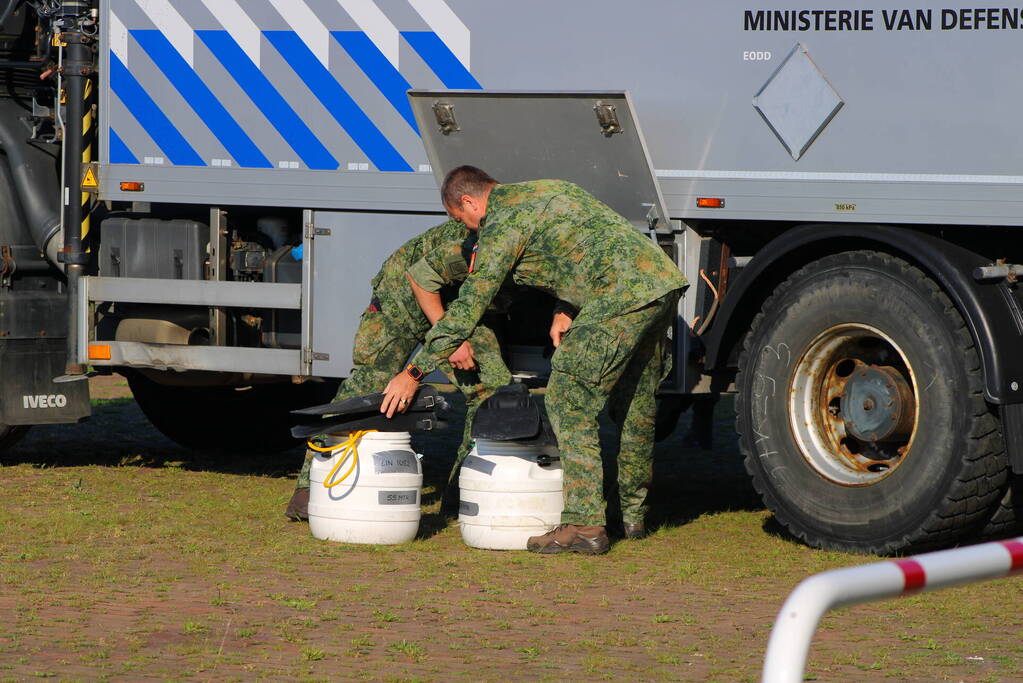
[[348, 448]]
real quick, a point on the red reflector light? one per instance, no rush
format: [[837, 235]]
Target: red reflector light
[[133, 187], [710, 202]]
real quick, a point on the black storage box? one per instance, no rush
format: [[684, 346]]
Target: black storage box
[[153, 248]]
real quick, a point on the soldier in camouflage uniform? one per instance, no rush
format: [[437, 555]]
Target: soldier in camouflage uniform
[[394, 325], [555, 236]]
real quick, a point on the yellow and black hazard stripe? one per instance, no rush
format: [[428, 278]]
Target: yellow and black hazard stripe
[[88, 141]]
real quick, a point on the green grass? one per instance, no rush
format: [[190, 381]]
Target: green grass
[[125, 556], [313, 654], [413, 651], [194, 627]]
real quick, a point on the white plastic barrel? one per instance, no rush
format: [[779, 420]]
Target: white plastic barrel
[[506, 497], [378, 502]]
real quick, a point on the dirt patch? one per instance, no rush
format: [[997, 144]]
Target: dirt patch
[[108, 387]]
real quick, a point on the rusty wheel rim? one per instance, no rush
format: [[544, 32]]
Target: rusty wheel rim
[[853, 405]]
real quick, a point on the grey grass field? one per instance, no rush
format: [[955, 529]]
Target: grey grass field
[[125, 557]]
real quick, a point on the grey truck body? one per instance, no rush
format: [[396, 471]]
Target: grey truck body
[[302, 104], [920, 120]]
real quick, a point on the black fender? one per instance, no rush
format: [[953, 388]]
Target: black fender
[[993, 311]]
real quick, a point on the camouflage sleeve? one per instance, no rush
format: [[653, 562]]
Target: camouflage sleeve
[[424, 360], [440, 267], [500, 246], [568, 309], [424, 275]]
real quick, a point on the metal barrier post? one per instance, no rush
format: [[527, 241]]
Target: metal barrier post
[[799, 617]]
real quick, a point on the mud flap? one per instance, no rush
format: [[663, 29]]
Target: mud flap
[[1012, 432], [28, 395]]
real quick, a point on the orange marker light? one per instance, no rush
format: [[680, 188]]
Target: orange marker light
[[710, 202], [133, 187], [99, 351]]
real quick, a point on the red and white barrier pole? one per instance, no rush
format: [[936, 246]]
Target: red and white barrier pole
[[800, 615]]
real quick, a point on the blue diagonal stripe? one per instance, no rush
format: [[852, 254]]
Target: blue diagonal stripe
[[119, 152], [337, 101], [379, 69], [202, 101], [442, 60], [154, 121], [264, 95]]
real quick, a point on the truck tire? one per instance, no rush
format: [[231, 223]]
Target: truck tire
[[860, 410], [1007, 519], [227, 419]]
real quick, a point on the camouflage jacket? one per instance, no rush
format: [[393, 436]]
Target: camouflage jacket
[[391, 288], [555, 236]]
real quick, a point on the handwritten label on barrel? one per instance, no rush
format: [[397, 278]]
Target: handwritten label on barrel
[[479, 464], [395, 462], [398, 497]]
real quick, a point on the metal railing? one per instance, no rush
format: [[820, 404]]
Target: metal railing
[[799, 617]]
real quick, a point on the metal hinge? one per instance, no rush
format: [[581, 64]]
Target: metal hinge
[[607, 118], [311, 231], [308, 355], [653, 217], [445, 115]]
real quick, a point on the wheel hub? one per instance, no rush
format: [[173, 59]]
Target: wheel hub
[[852, 405], [878, 404]]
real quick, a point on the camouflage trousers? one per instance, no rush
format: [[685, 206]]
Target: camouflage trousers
[[619, 363], [381, 350]]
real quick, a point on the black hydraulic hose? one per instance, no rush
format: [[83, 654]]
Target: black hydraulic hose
[[34, 173]]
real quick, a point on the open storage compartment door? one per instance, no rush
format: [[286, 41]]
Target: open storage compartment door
[[590, 138]]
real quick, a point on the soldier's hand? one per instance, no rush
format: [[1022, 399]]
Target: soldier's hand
[[559, 326], [463, 358], [399, 394]]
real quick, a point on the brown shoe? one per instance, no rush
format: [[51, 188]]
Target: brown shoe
[[634, 529], [298, 506], [569, 538]]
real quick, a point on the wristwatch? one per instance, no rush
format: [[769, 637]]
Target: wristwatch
[[414, 372]]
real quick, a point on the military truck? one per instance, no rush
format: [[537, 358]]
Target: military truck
[[195, 194]]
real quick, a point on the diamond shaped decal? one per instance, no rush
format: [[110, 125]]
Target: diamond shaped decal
[[797, 102]]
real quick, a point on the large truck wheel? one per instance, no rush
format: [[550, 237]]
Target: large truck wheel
[[860, 410], [230, 419]]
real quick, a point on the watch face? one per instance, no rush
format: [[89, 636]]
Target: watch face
[[414, 372]]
